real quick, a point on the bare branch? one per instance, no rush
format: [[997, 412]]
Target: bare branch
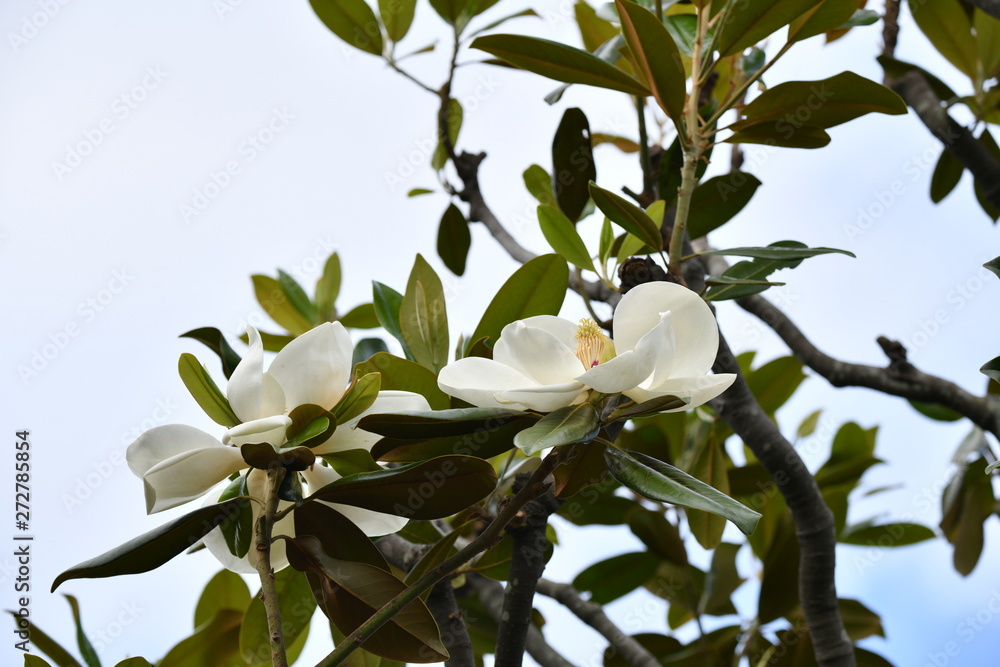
[[898, 379], [593, 615]]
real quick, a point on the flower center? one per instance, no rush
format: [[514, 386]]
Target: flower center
[[592, 346]]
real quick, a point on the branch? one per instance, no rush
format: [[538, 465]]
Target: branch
[[991, 7], [814, 524], [593, 615], [899, 379], [526, 566], [268, 593], [454, 634], [491, 595]]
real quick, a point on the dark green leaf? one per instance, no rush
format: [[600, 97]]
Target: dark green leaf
[[454, 239], [787, 136], [758, 269], [400, 374], [656, 57], [262, 455], [563, 237], [994, 266], [438, 423], [397, 16], [359, 397], [434, 556], [659, 535], [428, 490], [947, 174], [86, 648], [722, 581], [311, 425], [887, 535], [610, 579], [936, 411], [338, 536], [627, 215], [751, 21], [34, 661], [450, 10], [328, 289], [947, 26], [660, 481], [782, 252], [717, 200], [216, 642], [360, 317], [573, 166], [151, 550], [353, 21], [827, 15], [558, 61], [297, 296], [572, 424], [204, 390], [537, 288], [238, 531], [366, 349], [387, 303], [709, 466], [216, 342], [455, 116], [594, 31], [42, 642], [898, 68], [423, 317]]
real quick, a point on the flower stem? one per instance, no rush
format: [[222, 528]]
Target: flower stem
[[530, 490], [263, 545]]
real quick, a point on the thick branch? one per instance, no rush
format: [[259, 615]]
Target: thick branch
[[917, 93], [454, 635], [814, 524], [526, 566], [593, 615], [491, 595], [899, 379]]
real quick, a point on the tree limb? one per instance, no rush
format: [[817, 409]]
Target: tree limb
[[593, 615], [454, 634], [491, 596], [899, 379]]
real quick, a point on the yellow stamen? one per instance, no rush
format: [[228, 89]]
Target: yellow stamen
[[592, 346]]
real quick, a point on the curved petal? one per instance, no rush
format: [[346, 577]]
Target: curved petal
[[216, 542], [477, 381], [696, 390], [269, 429], [349, 436], [545, 398], [562, 329], [188, 476], [370, 522], [163, 442], [315, 367], [536, 353], [654, 352], [252, 393], [696, 332]]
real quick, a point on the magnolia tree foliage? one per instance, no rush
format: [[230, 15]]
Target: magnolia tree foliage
[[392, 492]]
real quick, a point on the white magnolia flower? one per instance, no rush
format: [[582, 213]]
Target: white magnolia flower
[[665, 342], [179, 463]]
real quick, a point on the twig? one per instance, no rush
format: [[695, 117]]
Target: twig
[[268, 593], [593, 615]]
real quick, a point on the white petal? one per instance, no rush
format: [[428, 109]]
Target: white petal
[[315, 367], [269, 429], [189, 475], [696, 390], [477, 381], [544, 398], [252, 393], [163, 442], [563, 330], [370, 522], [696, 333], [537, 354], [348, 436]]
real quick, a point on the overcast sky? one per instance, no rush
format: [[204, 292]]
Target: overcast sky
[[156, 155]]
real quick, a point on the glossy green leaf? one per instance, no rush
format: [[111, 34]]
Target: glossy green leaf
[[947, 174], [780, 252], [781, 134], [824, 17], [949, 29], [328, 289], [573, 166], [387, 303], [936, 411], [582, 467], [423, 318], [238, 530], [400, 374], [151, 550], [438, 423], [454, 239], [427, 490], [661, 481], [450, 10], [216, 342], [627, 215], [757, 270], [297, 296], [563, 237], [367, 348], [44, 643], [296, 606], [709, 466], [617, 576], [988, 142], [569, 425], [484, 443], [358, 398], [987, 41], [559, 61], [773, 383], [779, 588], [659, 535], [455, 117], [349, 593], [994, 266], [360, 317], [539, 184], [397, 16], [272, 298], [825, 103], [215, 642], [594, 31], [656, 57], [226, 590], [717, 200], [84, 645], [537, 288], [311, 425], [967, 502], [886, 535], [338, 536], [751, 21], [353, 21], [204, 390], [437, 554]]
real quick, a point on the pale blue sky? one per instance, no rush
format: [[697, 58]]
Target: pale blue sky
[[101, 260]]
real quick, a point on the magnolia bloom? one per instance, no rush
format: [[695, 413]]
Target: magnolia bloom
[[179, 463], [665, 342]]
